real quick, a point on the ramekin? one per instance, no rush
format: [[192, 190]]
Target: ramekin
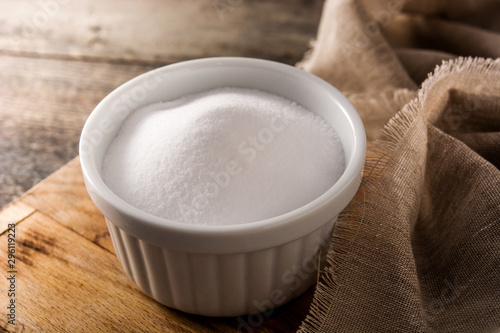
[[228, 270]]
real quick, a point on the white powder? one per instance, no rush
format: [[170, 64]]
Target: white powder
[[224, 156]]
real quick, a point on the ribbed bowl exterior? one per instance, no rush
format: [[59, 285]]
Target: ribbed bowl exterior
[[224, 285]]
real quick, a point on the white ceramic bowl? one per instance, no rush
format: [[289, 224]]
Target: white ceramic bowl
[[225, 270]]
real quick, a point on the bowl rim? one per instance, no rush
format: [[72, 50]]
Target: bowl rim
[[234, 238]]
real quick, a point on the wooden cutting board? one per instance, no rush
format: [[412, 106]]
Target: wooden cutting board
[[68, 278]]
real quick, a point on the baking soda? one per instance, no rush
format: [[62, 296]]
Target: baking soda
[[223, 156]]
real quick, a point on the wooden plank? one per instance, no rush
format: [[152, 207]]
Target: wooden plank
[[160, 31], [64, 198], [14, 213], [53, 253], [43, 106], [54, 93], [66, 283]]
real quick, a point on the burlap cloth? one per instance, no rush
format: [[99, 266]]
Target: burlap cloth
[[418, 250]]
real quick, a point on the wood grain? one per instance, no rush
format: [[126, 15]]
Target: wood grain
[[64, 198], [14, 213], [69, 279], [160, 31], [43, 106], [58, 59]]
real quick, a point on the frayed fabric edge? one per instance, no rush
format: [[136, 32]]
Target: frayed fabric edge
[[350, 220]]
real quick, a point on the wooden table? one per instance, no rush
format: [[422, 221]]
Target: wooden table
[[58, 59], [68, 277]]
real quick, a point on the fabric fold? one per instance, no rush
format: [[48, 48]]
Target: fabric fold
[[418, 249]]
